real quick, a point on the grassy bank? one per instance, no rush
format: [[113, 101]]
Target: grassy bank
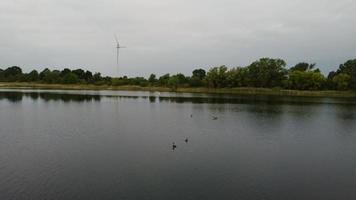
[[251, 91]]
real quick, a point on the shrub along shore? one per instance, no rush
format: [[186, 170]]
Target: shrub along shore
[[264, 76]]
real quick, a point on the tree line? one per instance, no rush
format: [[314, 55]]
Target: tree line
[[265, 73]]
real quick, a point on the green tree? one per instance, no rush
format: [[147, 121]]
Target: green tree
[[182, 80], [329, 84], [305, 80], [197, 79], [173, 82], [196, 82], [199, 73], [32, 76], [349, 68], [70, 78], [107, 80], [64, 72], [177, 80], [341, 81], [303, 67], [12, 71], [141, 81], [51, 76], [267, 72], [152, 79], [80, 73], [237, 77], [217, 77], [163, 80], [88, 77], [43, 73], [2, 78], [97, 77]]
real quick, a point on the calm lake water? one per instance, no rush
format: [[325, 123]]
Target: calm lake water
[[118, 145]]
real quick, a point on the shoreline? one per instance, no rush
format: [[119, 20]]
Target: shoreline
[[240, 90]]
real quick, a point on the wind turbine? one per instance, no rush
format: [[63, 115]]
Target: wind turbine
[[118, 47]]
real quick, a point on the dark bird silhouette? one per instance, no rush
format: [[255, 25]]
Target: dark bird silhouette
[[174, 146], [191, 115], [186, 140], [215, 118]]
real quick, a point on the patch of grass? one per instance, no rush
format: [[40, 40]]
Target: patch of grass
[[242, 90]]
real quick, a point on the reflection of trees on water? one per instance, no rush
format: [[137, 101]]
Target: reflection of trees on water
[[11, 96], [197, 100], [18, 96], [152, 99], [346, 112], [264, 101]]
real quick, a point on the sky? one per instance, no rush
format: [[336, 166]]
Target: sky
[[171, 36]]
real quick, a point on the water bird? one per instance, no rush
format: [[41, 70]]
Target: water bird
[[186, 140], [174, 146], [191, 115], [215, 118]]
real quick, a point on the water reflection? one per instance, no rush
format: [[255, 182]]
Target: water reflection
[[344, 112], [112, 149], [15, 97], [11, 96], [83, 96], [251, 99]]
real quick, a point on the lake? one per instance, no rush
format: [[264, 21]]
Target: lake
[[67, 144]]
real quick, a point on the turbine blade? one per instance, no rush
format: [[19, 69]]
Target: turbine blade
[[117, 62], [117, 41]]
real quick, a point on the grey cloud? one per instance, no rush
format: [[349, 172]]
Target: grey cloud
[[174, 35]]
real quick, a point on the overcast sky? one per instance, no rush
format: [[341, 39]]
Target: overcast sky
[[170, 36]]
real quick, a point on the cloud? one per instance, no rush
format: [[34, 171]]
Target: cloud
[[174, 35]]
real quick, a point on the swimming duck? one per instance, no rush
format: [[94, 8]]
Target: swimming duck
[[174, 146]]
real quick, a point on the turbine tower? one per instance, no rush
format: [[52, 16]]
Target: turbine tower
[[118, 47]]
